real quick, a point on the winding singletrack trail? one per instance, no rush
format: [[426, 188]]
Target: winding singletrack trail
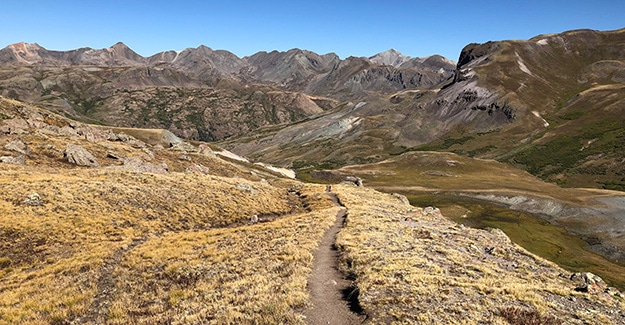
[[330, 293]]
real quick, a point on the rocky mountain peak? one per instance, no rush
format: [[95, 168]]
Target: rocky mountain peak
[[389, 57], [25, 52]]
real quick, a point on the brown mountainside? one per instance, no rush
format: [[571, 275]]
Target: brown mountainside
[[545, 105], [198, 93]]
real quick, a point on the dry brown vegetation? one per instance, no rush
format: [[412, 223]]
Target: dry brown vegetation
[[120, 247], [107, 245], [432, 270], [111, 246]]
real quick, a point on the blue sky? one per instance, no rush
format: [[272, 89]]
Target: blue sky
[[359, 28]]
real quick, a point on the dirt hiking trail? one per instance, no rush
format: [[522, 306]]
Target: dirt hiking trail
[[332, 296]]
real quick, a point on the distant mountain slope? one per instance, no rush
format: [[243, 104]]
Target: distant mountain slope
[[547, 105], [559, 94], [199, 93]]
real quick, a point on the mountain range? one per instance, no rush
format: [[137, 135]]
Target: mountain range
[[528, 103], [115, 208], [222, 95]]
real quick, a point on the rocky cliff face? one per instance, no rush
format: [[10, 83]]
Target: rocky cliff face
[[550, 98]]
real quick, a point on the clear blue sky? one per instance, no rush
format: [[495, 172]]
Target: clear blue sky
[[359, 28]]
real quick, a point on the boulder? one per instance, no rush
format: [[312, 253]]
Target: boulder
[[14, 126], [78, 155], [18, 146], [33, 200], [588, 282], [19, 160]]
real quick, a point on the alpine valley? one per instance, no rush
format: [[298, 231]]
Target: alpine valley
[[195, 186]]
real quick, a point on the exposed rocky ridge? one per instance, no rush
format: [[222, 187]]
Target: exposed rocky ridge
[[32, 137]]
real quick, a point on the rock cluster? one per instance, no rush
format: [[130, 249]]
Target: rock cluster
[[19, 160], [18, 146], [593, 284]]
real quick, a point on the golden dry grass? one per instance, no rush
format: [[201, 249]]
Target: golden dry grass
[[436, 271], [115, 246], [154, 238], [120, 247]]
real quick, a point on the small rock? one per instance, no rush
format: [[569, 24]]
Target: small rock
[[114, 155], [19, 160], [149, 153], [429, 210], [33, 200], [184, 157], [206, 150], [123, 137], [402, 198], [200, 169], [355, 180], [246, 188], [135, 143], [78, 155], [254, 219], [612, 291], [92, 134], [68, 131], [588, 282], [490, 250], [18, 146], [183, 146]]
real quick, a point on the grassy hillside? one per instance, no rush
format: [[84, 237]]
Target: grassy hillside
[[412, 265], [128, 241], [566, 90], [566, 225]]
